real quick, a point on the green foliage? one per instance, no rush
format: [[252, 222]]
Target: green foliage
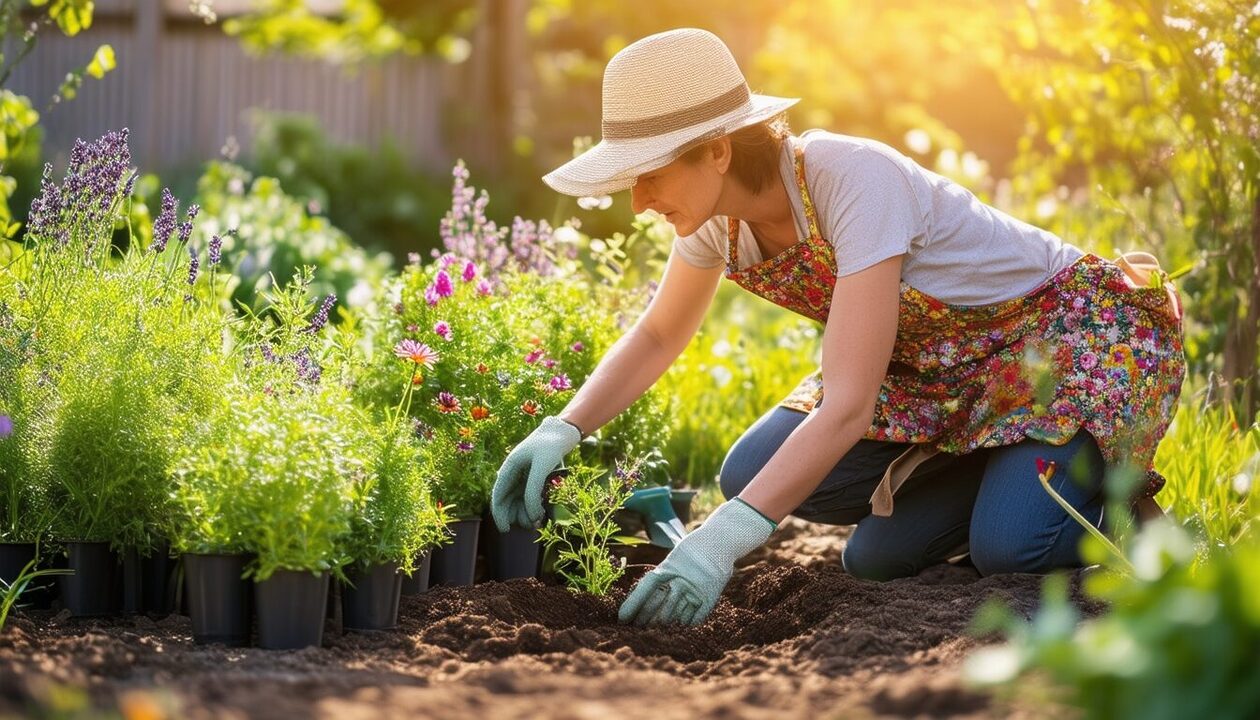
[[1212, 463], [746, 358], [1179, 640], [11, 591], [584, 499], [374, 196], [275, 236]]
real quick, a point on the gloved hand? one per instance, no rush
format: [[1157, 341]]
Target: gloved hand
[[517, 497], [686, 586]]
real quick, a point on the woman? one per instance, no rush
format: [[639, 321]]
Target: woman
[[963, 350]]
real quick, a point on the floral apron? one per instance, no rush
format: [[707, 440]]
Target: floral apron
[[1097, 346]]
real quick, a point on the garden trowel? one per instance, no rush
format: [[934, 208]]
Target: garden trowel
[[664, 529]]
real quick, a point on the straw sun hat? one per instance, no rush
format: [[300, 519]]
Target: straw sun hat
[[663, 95]]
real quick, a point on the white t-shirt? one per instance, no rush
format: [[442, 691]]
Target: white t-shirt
[[874, 203]]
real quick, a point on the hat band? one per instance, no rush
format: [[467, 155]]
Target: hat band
[[678, 119]]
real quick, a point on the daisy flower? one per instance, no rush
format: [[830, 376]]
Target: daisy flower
[[447, 403], [417, 352]]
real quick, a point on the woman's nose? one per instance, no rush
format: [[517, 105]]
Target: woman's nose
[[638, 199]]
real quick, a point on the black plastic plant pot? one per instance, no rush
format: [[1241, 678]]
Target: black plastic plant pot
[[513, 554], [370, 602], [681, 499], [290, 607], [456, 563], [14, 558], [218, 598], [158, 574], [94, 586], [419, 580]]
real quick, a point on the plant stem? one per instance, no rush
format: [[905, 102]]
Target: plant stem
[[1067, 507]]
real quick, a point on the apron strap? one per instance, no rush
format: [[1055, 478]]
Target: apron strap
[[895, 476]]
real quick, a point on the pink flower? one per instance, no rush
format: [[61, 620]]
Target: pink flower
[[417, 352], [464, 446], [483, 288], [577, 346], [430, 296], [533, 356], [442, 284], [447, 403], [443, 329], [470, 271], [1089, 360], [560, 382], [1045, 467], [549, 363], [413, 328]]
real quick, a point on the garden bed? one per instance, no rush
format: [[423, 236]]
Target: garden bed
[[793, 635]]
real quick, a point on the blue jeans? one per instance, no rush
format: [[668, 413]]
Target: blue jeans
[[988, 502]]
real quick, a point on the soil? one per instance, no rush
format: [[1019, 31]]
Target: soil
[[794, 636]]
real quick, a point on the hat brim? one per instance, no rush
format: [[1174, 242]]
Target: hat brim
[[612, 165]]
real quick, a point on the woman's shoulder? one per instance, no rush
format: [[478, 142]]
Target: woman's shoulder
[[845, 151], [834, 162]]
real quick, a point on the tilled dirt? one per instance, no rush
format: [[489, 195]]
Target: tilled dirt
[[794, 636]]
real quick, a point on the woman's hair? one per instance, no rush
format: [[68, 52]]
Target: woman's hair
[[754, 152]]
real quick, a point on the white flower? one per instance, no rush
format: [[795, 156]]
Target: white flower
[[600, 202], [721, 348], [1242, 483], [721, 374]]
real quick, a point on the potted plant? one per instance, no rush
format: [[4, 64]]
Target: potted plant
[[395, 517]]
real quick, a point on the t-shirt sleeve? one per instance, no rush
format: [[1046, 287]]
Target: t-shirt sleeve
[[867, 206], [706, 247]]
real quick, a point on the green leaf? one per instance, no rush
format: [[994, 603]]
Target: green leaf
[[629, 540], [102, 62]]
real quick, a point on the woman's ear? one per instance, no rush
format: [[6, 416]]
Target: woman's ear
[[720, 152]]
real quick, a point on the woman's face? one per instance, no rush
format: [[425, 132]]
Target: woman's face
[[685, 192]]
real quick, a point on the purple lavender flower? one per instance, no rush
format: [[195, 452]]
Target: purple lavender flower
[[308, 371], [216, 250], [185, 228], [193, 264], [321, 317], [6, 426], [268, 354], [164, 225], [82, 204]]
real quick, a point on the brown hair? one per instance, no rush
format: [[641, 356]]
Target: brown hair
[[754, 152]]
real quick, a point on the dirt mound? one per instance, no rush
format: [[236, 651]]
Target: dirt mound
[[792, 635]]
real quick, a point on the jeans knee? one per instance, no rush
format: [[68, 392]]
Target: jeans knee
[[735, 473], [995, 558], [866, 560]]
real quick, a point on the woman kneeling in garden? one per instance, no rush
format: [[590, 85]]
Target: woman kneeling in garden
[[967, 350]]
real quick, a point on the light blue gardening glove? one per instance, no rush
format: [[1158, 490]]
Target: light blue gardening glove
[[685, 587], [517, 498]]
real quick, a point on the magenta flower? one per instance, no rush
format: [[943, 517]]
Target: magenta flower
[[577, 346], [1089, 360], [442, 284], [470, 271], [443, 329], [6, 426], [533, 356], [417, 352], [464, 446], [549, 363], [483, 287], [560, 382], [430, 296], [447, 403]]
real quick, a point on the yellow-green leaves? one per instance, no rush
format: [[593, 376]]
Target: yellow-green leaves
[[102, 62], [72, 16]]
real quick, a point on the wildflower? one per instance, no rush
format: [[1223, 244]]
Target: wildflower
[[1045, 467], [421, 430], [193, 264], [442, 329], [417, 352], [577, 346], [164, 225], [465, 432], [417, 379], [412, 328], [483, 368], [398, 308], [447, 403], [431, 297], [185, 228], [470, 271], [503, 378], [556, 480], [483, 287], [529, 407], [321, 317], [549, 363], [533, 356], [6, 426], [216, 250], [560, 382], [464, 446], [442, 284], [308, 370], [413, 258], [479, 412]]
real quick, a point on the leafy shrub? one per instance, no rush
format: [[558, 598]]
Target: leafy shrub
[[268, 236], [1180, 638], [585, 499]]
